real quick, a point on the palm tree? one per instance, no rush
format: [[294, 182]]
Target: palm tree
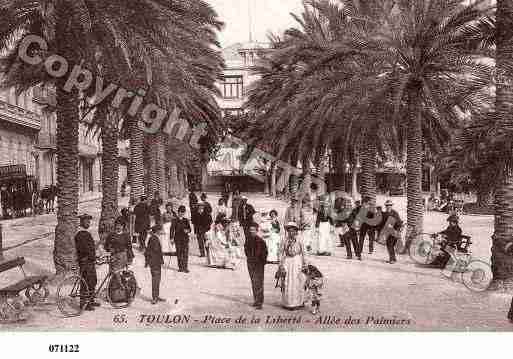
[[502, 263], [75, 30], [429, 72]]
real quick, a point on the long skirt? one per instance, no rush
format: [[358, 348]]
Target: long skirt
[[272, 242], [237, 234], [308, 238], [165, 241], [118, 261], [221, 257], [293, 291], [325, 238]]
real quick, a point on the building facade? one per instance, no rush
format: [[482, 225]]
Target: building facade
[[20, 123], [28, 139], [240, 60]]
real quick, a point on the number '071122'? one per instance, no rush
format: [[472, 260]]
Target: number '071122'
[[64, 348]]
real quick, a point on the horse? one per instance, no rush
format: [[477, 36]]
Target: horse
[[48, 195]]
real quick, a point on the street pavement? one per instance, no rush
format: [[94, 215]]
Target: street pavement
[[358, 295]]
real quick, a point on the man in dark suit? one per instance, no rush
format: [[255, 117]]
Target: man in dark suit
[[366, 229], [256, 254], [208, 206], [155, 260], [155, 204], [142, 221], [204, 222], [179, 233], [86, 256], [391, 236], [246, 212]]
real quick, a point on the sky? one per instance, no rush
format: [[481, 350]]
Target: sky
[[268, 15]]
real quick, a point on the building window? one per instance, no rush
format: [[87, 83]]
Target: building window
[[233, 87]]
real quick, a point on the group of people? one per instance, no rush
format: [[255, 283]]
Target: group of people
[[225, 234], [322, 225]]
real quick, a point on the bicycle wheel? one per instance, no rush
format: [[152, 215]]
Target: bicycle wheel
[[421, 249], [68, 295], [477, 276], [121, 289]]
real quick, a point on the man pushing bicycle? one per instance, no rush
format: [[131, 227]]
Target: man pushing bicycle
[[86, 256]]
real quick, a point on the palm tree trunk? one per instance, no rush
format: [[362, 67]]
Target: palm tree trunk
[[161, 165], [484, 190], [156, 172], [415, 210], [273, 179], [339, 166], [354, 179], [307, 179], [136, 166], [110, 173], [64, 252], [368, 157], [174, 182], [502, 263]]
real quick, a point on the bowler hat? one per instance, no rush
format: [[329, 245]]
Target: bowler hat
[[389, 203]]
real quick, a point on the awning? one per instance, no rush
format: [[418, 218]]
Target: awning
[[12, 172]]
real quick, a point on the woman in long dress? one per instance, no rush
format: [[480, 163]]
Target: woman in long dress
[[307, 227], [167, 244], [220, 249], [222, 209], [325, 231], [292, 261], [271, 237], [119, 245]]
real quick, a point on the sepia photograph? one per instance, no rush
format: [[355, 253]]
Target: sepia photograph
[[255, 166]]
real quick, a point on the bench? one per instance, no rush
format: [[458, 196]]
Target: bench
[[34, 286]]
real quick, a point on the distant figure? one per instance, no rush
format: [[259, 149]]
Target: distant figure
[[204, 221], [236, 203], [4, 199], [179, 232], [208, 206], [142, 221], [222, 209], [193, 208], [154, 260], [155, 204]]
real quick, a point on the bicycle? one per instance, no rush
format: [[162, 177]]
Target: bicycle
[[69, 297], [431, 249]]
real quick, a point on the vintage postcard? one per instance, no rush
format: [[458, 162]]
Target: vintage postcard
[[243, 165]]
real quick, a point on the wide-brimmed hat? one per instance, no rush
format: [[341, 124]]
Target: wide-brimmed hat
[[85, 216], [291, 225], [389, 203]]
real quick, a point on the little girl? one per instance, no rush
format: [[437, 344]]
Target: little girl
[[314, 282]]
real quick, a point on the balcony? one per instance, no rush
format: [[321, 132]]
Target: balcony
[[43, 96], [47, 141], [19, 116]]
